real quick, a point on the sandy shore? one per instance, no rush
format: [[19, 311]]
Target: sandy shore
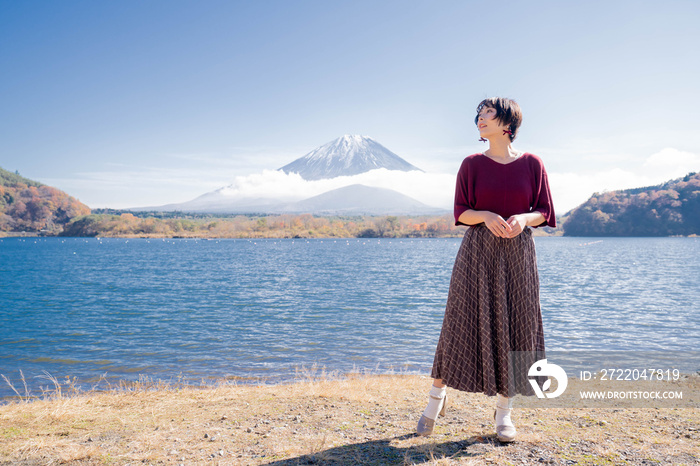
[[363, 419]]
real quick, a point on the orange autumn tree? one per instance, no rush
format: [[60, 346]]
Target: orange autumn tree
[[29, 206]]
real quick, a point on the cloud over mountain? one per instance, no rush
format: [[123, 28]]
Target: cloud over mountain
[[274, 188]]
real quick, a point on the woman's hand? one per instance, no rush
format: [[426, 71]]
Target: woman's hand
[[502, 228], [497, 225], [517, 224]]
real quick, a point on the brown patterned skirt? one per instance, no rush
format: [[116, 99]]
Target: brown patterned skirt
[[492, 331]]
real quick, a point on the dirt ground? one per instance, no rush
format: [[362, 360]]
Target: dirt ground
[[362, 419]]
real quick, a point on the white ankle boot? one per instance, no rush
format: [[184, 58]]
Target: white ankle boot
[[505, 430], [436, 406]]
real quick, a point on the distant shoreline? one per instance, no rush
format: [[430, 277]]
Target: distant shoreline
[[125, 224], [536, 233]]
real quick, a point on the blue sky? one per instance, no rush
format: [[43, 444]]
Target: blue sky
[[145, 103]]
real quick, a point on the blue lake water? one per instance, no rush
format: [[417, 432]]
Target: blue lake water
[[263, 309]]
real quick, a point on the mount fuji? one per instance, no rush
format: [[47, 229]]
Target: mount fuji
[[346, 156], [343, 157]]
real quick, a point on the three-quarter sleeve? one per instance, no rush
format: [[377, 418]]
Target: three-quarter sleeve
[[543, 199], [462, 203]]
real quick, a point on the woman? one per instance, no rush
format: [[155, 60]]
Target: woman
[[492, 329]]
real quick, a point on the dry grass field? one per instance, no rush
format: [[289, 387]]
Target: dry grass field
[[358, 419]]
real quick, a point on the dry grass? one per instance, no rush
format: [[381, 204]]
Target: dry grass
[[359, 419]]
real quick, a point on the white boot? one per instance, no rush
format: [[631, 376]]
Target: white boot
[[436, 406], [505, 430]]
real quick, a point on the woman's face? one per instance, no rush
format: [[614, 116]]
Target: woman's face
[[487, 122]]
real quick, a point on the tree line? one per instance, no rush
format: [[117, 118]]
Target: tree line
[[127, 224]]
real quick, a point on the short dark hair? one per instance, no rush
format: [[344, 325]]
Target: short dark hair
[[507, 113]]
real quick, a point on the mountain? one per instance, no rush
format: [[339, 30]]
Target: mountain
[[671, 208], [29, 206], [358, 199], [346, 156]]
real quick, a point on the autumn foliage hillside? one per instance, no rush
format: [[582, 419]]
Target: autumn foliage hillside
[[29, 206], [670, 209]]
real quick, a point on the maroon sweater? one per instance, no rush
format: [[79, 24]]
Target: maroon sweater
[[517, 187]]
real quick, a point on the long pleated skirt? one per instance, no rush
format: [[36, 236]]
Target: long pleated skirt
[[492, 330]]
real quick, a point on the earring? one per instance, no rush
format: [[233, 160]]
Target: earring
[[507, 131], [482, 139]]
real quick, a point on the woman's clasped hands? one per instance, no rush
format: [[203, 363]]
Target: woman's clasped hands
[[505, 228]]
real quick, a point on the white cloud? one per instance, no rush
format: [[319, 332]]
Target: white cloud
[[154, 186], [571, 189], [671, 163], [430, 188]]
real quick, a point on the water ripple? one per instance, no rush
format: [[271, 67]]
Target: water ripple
[[241, 309]]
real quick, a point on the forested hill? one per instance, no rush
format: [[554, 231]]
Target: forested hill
[[30, 206], [672, 208]]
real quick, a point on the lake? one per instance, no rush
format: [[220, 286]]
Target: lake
[[268, 310]]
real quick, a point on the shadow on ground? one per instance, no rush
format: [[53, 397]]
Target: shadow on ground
[[381, 452]]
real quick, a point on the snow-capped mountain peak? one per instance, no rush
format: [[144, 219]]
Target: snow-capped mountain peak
[[345, 156]]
